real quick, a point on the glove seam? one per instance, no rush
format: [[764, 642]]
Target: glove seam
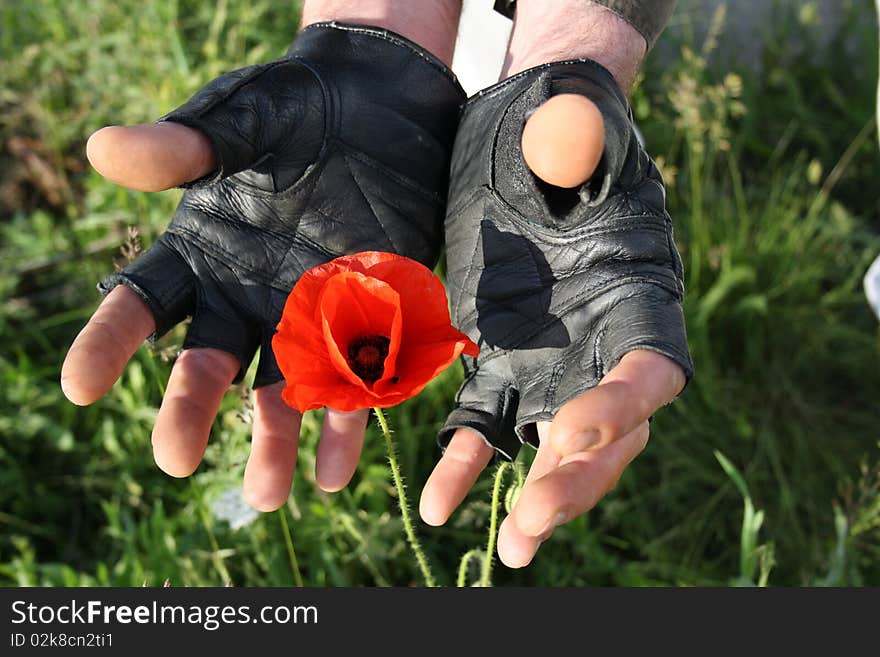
[[228, 347], [558, 235], [257, 71], [222, 255], [158, 304], [360, 188], [469, 271], [553, 384], [325, 152], [496, 88], [196, 121], [472, 197], [395, 39], [401, 179], [230, 219]]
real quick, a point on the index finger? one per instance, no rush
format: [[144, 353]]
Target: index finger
[[102, 349]]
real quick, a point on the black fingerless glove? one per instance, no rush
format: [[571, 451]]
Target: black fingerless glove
[[340, 146], [555, 285]]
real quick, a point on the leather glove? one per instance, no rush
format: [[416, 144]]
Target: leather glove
[[555, 285], [340, 146]]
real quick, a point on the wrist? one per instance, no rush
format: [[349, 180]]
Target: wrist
[[549, 32], [433, 26]]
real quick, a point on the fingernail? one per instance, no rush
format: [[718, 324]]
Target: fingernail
[[581, 442]]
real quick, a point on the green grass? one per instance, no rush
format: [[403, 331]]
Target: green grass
[[764, 471]]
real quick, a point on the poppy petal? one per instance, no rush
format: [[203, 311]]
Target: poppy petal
[[419, 364], [373, 297], [353, 305]]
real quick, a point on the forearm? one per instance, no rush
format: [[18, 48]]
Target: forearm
[[432, 25], [615, 33]]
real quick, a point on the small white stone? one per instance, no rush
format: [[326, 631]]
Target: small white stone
[[231, 507], [872, 286]]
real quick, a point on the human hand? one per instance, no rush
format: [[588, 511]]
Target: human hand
[[574, 296], [340, 146]]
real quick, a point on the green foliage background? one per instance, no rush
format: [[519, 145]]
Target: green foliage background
[[764, 471]]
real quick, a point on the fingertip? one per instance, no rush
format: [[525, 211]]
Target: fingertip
[[73, 389], [175, 463], [513, 560], [267, 485], [335, 478], [263, 499], [329, 485], [100, 351], [99, 144], [199, 378], [514, 550], [431, 512], [563, 140], [78, 382], [466, 455]]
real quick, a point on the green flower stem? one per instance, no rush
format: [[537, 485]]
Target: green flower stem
[[465, 563], [294, 564], [402, 501], [486, 578]]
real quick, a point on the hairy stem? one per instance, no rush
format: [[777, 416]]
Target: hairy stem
[[402, 501], [465, 563], [486, 578]]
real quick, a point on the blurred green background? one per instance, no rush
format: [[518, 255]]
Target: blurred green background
[[766, 471]]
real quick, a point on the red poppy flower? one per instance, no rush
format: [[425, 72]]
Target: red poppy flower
[[365, 330]]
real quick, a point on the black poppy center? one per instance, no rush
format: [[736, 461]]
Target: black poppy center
[[366, 356]]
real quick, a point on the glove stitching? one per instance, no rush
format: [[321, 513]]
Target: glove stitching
[[491, 159], [469, 376], [498, 87], [230, 219], [218, 253], [168, 297], [553, 384], [559, 235], [396, 39], [172, 293], [258, 70], [469, 270], [197, 120], [375, 215], [297, 238], [373, 163], [233, 348], [452, 214], [294, 188]]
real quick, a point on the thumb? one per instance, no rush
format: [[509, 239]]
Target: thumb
[[563, 140], [151, 157]]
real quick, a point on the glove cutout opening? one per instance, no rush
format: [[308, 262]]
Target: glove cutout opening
[[536, 200]]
